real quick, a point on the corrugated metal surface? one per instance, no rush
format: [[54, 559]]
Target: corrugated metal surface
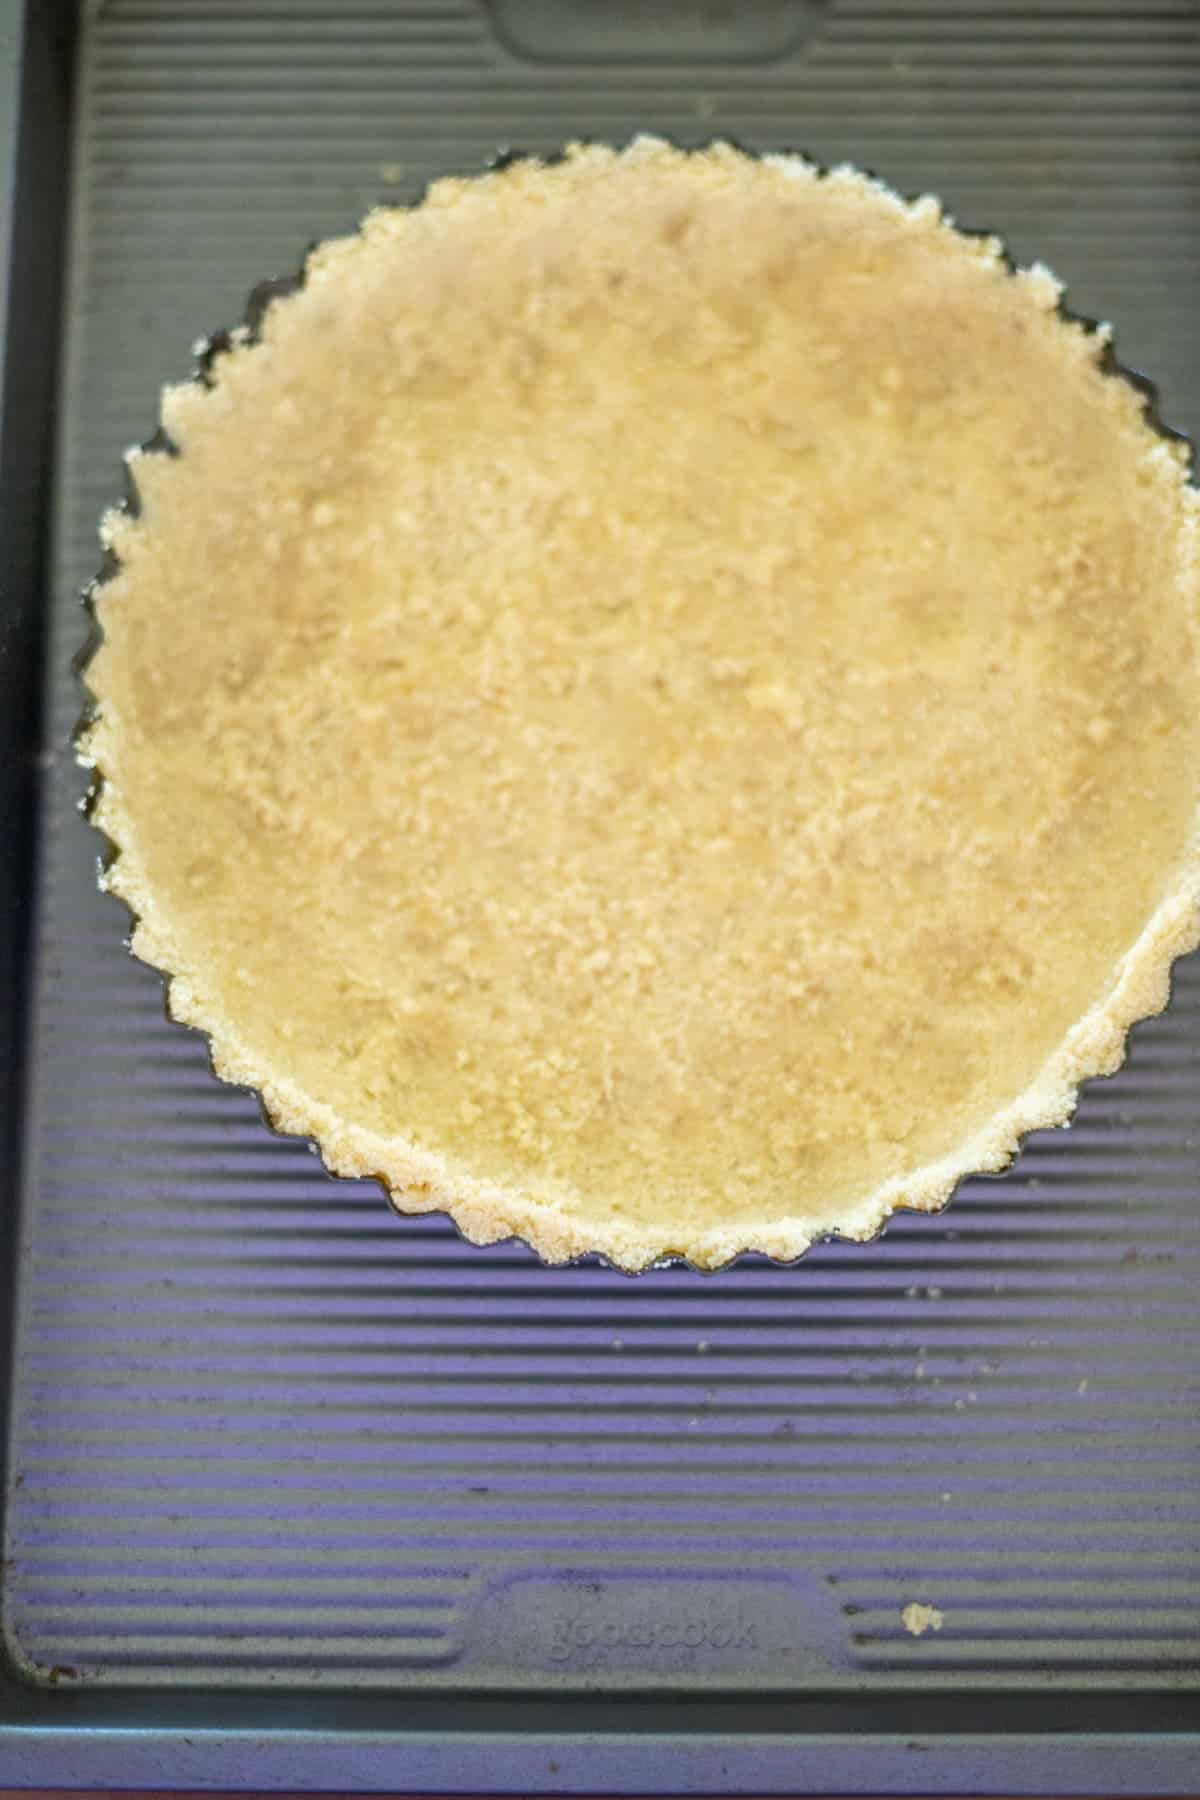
[[265, 1431]]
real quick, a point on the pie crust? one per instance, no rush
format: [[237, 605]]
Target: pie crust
[[652, 705]]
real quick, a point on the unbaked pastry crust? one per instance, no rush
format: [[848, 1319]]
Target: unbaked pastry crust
[[655, 710]]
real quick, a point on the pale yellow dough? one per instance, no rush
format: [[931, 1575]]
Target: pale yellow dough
[[657, 708]]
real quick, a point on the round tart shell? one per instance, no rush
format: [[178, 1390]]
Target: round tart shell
[[421, 1176]]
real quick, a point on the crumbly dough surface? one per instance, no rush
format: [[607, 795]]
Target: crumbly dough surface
[[657, 708]]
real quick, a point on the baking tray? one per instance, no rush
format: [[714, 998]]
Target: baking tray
[[302, 1495]]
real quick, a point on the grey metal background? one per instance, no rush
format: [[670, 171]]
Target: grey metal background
[[265, 1432]]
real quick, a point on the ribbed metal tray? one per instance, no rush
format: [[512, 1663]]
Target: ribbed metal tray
[[300, 1494]]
